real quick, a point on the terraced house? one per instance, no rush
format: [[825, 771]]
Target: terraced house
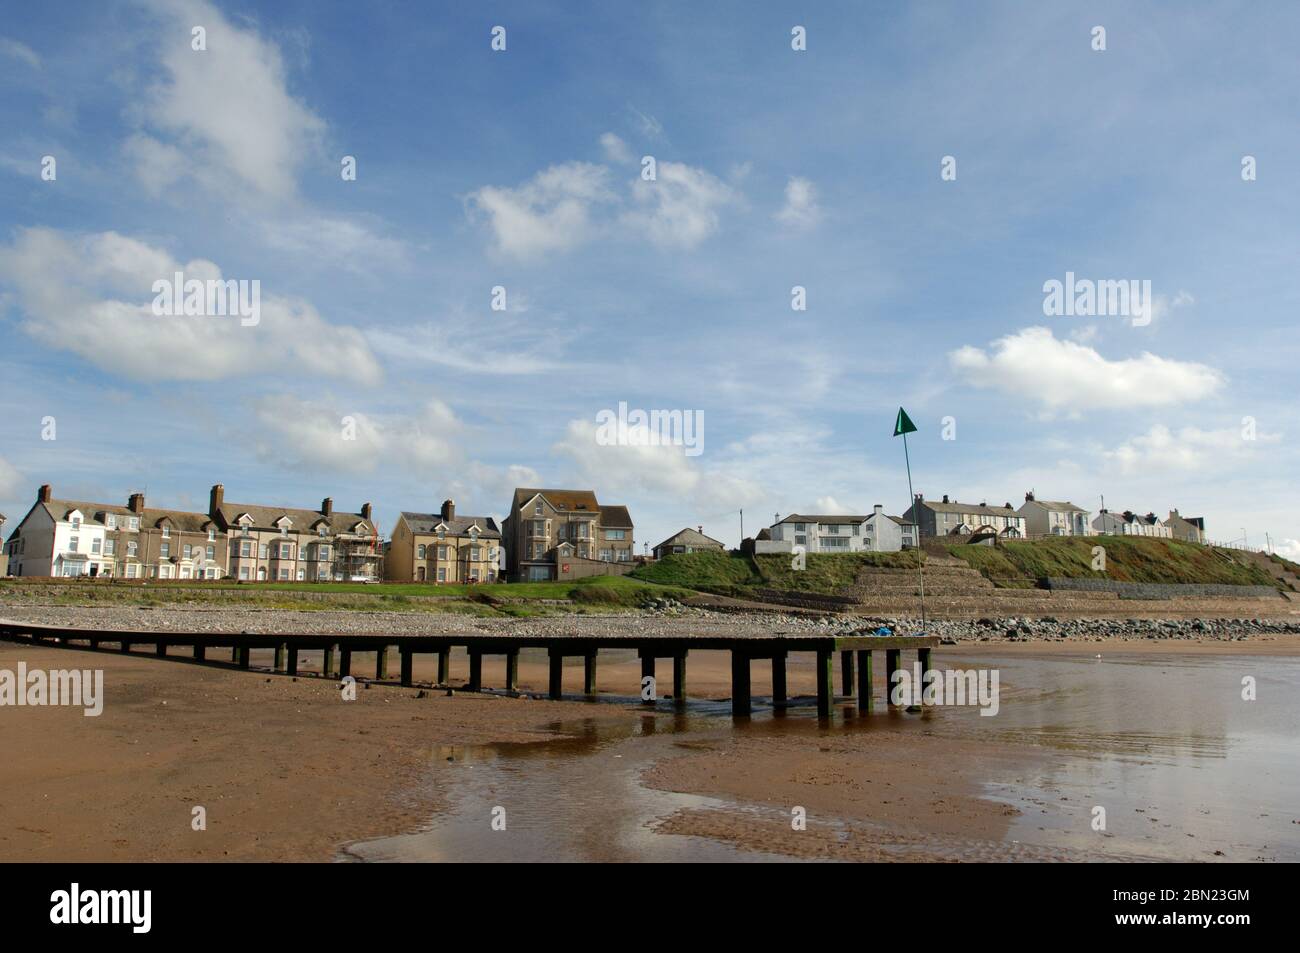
[[1128, 523], [976, 520], [61, 537], [1053, 517], [565, 534], [283, 544], [443, 547]]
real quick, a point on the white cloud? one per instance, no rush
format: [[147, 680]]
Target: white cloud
[[307, 435], [801, 209], [92, 295], [680, 208], [656, 471], [1185, 450], [552, 212], [19, 51], [1064, 375], [340, 242], [616, 150], [1288, 549], [228, 108]]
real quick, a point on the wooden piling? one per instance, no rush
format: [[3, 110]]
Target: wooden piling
[[408, 660], [234, 653], [556, 686], [292, 666], [381, 663], [159, 649], [679, 679], [124, 646], [922, 656], [864, 681], [846, 673], [94, 644], [589, 673], [345, 661], [512, 670], [327, 661], [243, 656], [444, 666], [891, 666], [475, 670], [278, 665], [825, 682], [200, 653], [780, 696], [741, 704]]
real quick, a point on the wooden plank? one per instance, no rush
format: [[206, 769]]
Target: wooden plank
[[556, 686], [512, 670], [407, 657], [846, 672], [381, 663], [864, 682], [741, 700], [444, 665], [891, 666], [825, 683], [679, 679], [475, 682], [589, 673], [292, 666], [780, 695]]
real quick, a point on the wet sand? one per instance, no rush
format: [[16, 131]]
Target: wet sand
[[288, 771]]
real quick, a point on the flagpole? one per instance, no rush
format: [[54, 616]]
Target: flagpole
[[916, 531]]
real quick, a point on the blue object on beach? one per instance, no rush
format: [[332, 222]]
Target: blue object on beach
[[884, 630]]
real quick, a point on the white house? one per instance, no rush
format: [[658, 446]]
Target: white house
[[848, 533], [1129, 523], [58, 540], [1053, 517]]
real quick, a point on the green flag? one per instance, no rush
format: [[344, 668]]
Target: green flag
[[903, 424]]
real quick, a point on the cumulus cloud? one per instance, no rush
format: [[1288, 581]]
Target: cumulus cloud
[[92, 295], [574, 203], [306, 435], [616, 150], [19, 51], [662, 471], [1067, 375], [1184, 450], [551, 212], [227, 109], [801, 209]]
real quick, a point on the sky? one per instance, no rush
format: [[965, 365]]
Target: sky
[[921, 171]]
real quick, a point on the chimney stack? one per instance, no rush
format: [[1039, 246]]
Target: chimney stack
[[700, 530], [945, 497], [449, 510], [136, 503], [1029, 497], [365, 511], [327, 507], [877, 509], [43, 494], [216, 500]]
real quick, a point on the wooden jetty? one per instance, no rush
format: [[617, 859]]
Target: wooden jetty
[[855, 652]]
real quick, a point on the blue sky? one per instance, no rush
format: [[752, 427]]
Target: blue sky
[[776, 168]]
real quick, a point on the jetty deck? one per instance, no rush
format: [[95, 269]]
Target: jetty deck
[[855, 653]]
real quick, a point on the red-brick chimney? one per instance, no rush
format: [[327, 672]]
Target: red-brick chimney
[[216, 499], [327, 507], [43, 494], [136, 503], [365, 511], [449, 510]]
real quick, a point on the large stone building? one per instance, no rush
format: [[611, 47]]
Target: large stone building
[[976, 520], [443, 547], [282, 544], [841, 533], [565, 534], [1053, 517], [61, 537]]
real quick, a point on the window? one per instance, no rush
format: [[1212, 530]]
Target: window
[[110, 547], [800, 540], [474, 554], [167, 532], [284, 574], [165, 550], [286, 550], [442, 552], [164, 572], [72, 543], [76, 522], [420, 551], [262, 551], [131, 548], [473, 575], [187, 550], [537, 510], [442, 532], [243, 530], [605, 554], [324, 553], [302, 574], [212, 535], [212, 552], [243, 572], [130, 570], [95, 546], [616, 534], [624, 555], [442, 575], [133, 523], [245, 549], [110, 521]]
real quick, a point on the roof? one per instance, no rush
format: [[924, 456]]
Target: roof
[[456, 526], [560, 499], [839, 518], [265, 517], [615, 516], [690, 537], [902, 522], [1062, 506], [982, 509], [150, 516]]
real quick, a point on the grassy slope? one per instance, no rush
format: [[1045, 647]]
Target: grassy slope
[[732, 573], [1127, 560]]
